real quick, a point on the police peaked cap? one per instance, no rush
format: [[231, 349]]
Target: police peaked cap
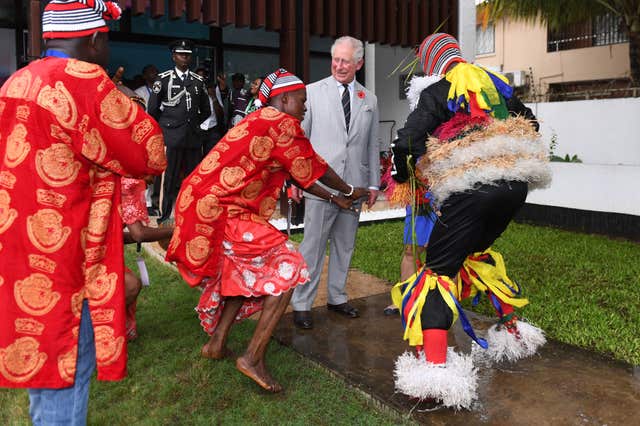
[[181, 46]]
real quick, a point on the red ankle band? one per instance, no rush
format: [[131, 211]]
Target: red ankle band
[[435, 345]]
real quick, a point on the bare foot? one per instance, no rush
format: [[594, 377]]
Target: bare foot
[[209, 351], [258, 373]]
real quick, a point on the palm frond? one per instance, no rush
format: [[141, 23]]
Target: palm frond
[[402, 66], [554, 13]]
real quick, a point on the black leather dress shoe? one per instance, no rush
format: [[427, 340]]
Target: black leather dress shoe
[[344, 309], [303, 319]]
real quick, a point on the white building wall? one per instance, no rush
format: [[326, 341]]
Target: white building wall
[[379, 66], [593, 187], [604, 131], [467, 28], [605, 135]]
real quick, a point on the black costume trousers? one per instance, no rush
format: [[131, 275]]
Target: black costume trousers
[[155, 193], [180, 163], [470, 222]]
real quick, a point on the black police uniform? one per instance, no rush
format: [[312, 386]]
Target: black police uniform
[[179, 106]]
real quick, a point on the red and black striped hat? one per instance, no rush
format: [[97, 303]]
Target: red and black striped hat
[[278, 82], [77, 18], [437, 52]]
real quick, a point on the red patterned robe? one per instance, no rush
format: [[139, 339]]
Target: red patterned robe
[[67, 134], [134, 203], [223, 239]]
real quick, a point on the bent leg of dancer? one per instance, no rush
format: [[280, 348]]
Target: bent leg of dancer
[[216, 347], [409, 264], [132, 286], [436, 319], [251, 363]]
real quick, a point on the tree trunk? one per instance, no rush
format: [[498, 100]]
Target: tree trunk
[[634, 56]]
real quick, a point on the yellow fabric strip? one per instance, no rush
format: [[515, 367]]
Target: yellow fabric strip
[[493, 278], [465, 78], [413, 329]]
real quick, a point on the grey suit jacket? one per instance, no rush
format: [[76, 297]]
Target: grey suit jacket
[[354, 156]]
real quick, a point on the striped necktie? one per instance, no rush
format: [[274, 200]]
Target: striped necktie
[[346, 105]]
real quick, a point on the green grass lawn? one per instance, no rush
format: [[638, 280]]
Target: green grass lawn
[[584, 290], [170, 384]]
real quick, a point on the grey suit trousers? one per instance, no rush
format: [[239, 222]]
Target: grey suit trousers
[[325, 222]]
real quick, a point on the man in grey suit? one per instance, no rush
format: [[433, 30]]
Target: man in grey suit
[[342, 124]]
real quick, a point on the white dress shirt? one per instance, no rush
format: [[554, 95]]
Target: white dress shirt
[[212, 121], [351, 87], [181, 74]]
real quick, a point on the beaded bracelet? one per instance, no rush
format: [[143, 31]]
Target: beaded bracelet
[[350, 192]]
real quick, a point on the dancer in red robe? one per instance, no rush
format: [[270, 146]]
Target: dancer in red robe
[[223, 240], [67, 135]]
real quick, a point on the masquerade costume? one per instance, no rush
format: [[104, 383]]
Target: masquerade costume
[[417, 228], [482, 155]]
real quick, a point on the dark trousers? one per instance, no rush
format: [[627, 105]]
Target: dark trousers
[[471, 221], [211, 138], [155, 192], [180, 163]]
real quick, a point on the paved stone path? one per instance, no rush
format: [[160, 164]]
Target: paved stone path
[[562, 385]]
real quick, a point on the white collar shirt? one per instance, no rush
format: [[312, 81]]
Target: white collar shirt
[[181, 74], [351, 86]]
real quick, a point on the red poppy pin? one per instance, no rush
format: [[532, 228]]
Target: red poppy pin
[[361, 94]]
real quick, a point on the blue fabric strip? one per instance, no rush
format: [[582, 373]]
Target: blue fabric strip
[[496, 304], [476, 299], [455, 104], [502, 87], [515, 291], [406, 298], [466, 325], [55, 53]]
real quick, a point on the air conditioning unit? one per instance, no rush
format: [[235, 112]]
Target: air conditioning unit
[[516, 78]]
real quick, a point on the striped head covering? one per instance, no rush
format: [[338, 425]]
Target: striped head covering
[[77, 18], [278, 82], [437, 52]]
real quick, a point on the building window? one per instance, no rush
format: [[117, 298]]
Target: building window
[[600, 31], [609, 29], [485, 39]]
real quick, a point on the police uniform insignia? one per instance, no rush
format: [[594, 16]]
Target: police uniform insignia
[[157, 86]]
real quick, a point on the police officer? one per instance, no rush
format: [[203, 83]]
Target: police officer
[[180, 103]]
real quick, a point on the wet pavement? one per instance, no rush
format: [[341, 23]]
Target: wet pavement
[[563, 385]]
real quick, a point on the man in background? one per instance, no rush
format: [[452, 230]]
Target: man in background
[[212, 127], [149, 74], [238, 99], [180, 103], [152, 194]]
